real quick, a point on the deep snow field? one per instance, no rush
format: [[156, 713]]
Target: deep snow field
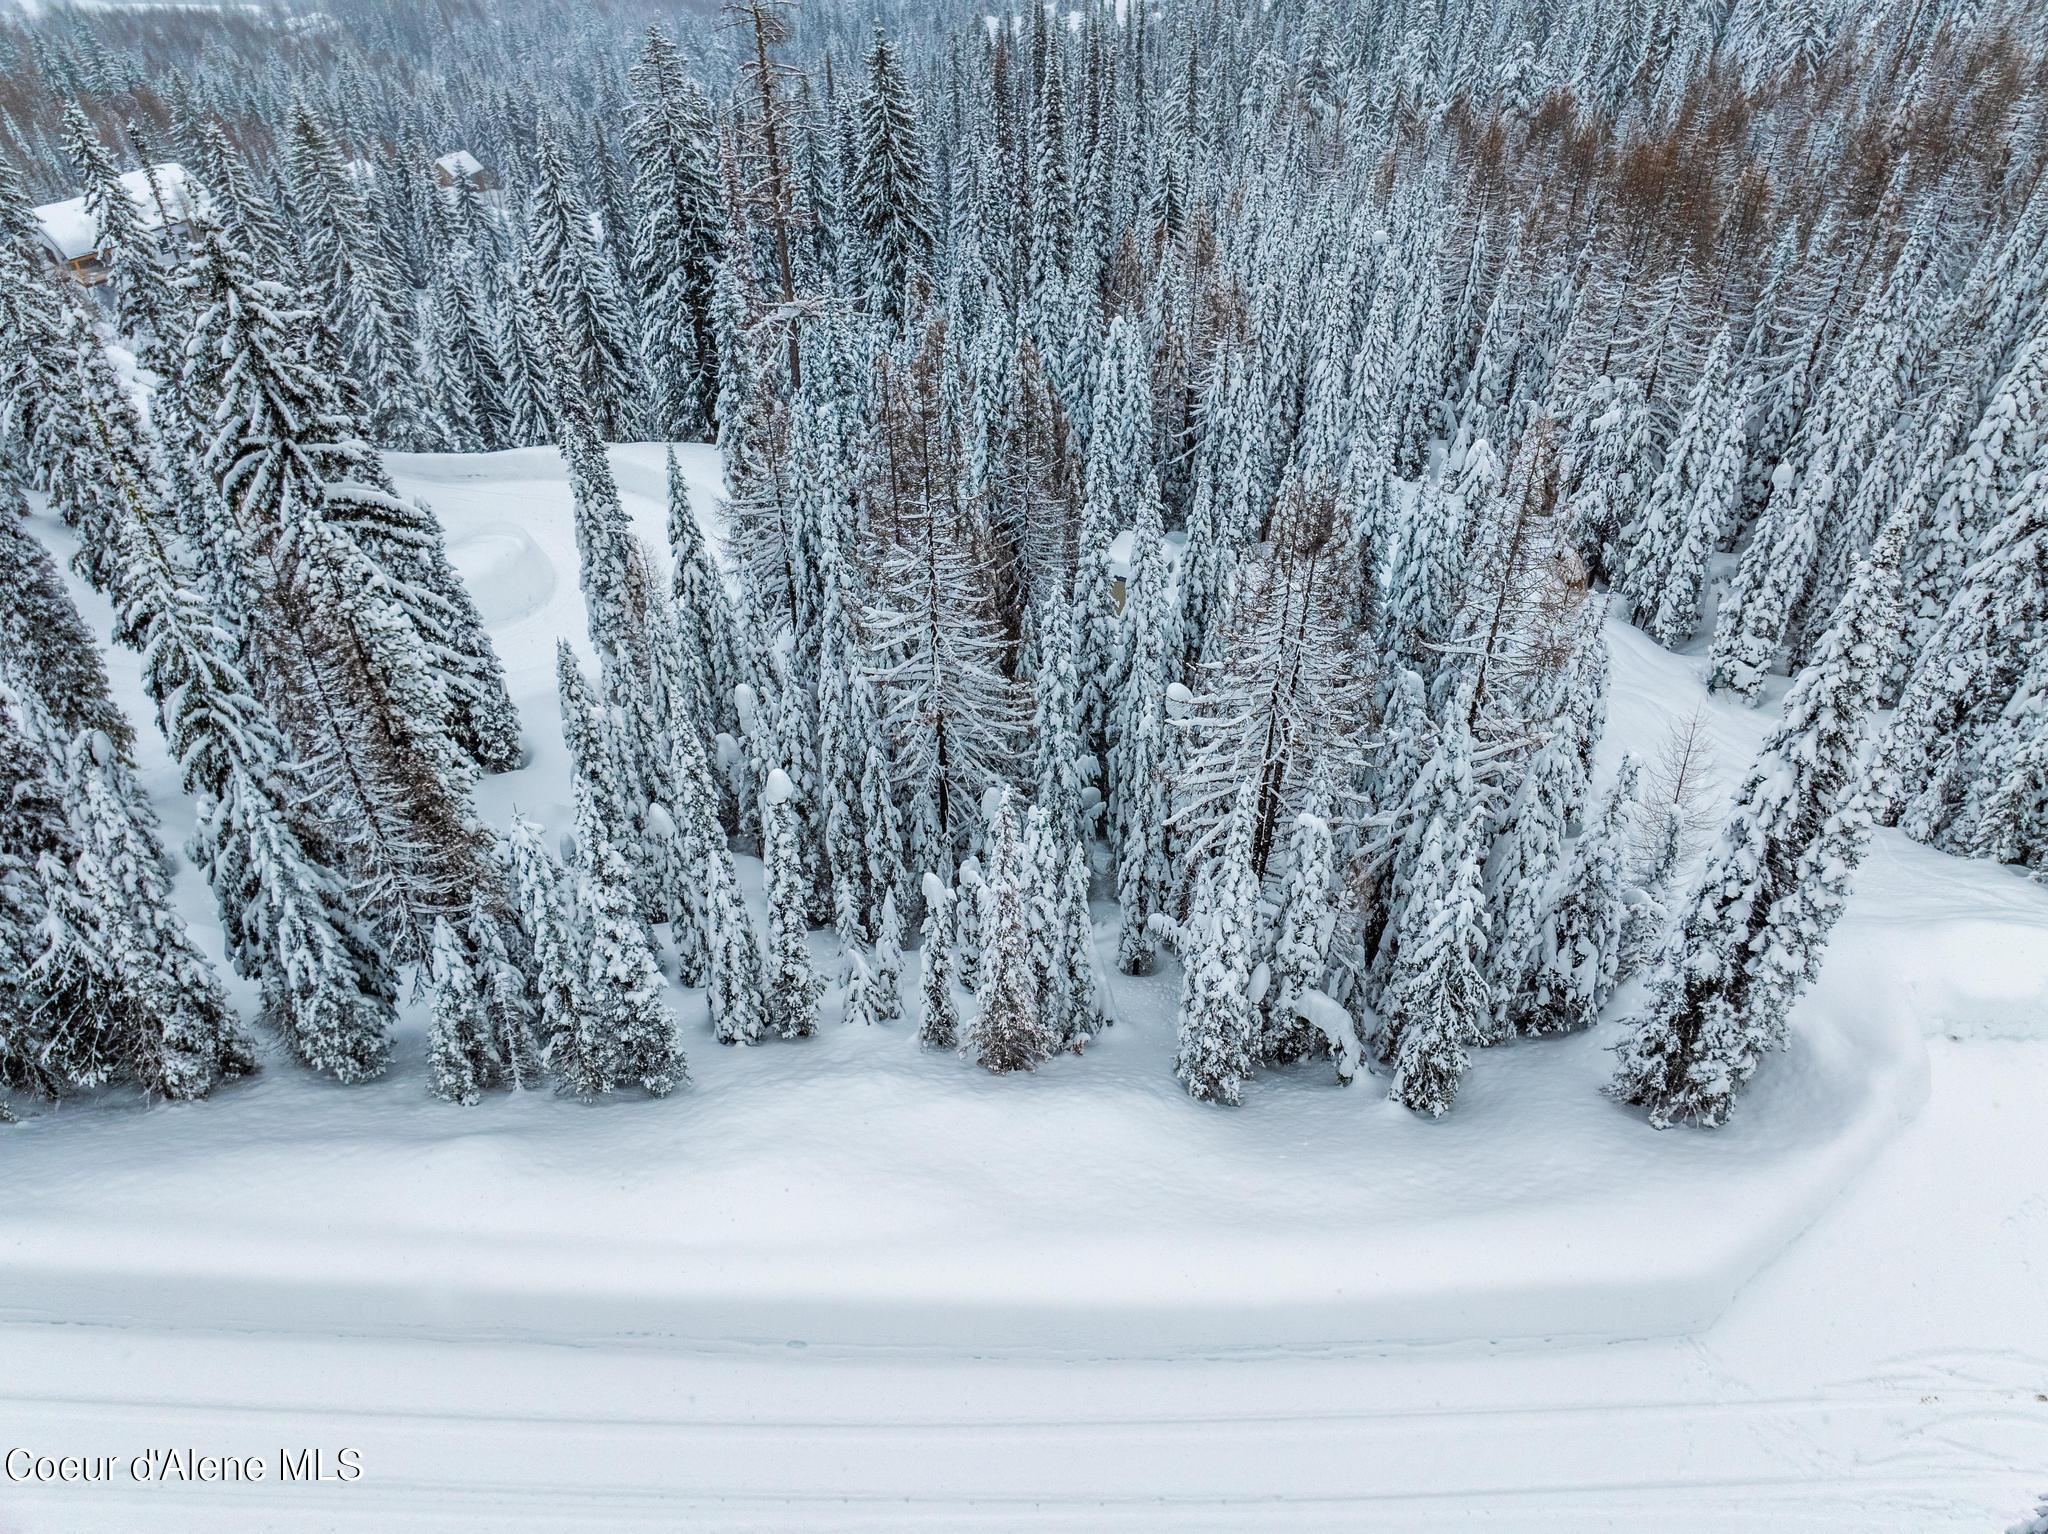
[[846, 1283]]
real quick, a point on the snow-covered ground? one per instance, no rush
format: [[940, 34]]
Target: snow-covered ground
[[846, 1283]]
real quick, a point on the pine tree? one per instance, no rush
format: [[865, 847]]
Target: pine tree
[[287, 914], [505, 990], [1664, 529], [628, 1033], [1219, 1022], [889, 195], [1527, 852], [547, 924], [239, 203], [1437, 1003], [677, 226], [525, 356], [53, 651], [1139, 760], [1754, 928], [1306, 929], [1931, 769], [939, 1020], [1675, 613], [1059, 775], [132, 997], [789, 991], [1007, 1033], [459, 1051], [888, 963], [1285, 698], [1577, 964], [356, 623], [581, 288], [1420, 582], [710, 662], [949, 710], [361, 295], [1609, 473], [472, 393], [713, 925], [1119, 448]]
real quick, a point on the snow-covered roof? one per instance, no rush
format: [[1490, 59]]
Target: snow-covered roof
[[71, 232], [459, 162]]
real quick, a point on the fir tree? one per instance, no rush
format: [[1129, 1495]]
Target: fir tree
[[126, 994], [1219, 1022], [1138, 764], [459, 1050], [547, 924], [1664, 527], [1438, 1003], [888, 963], [1118, 449], [889, 195], [626, 1032], [939, 1020], [53, 651], [1006, 1034], [1931, 769], [1527, 852], [789, 991], [1754, 927], [1306, 928], [356, 623], [360, 291], [1577, 963], [581, 288], [677, 226]]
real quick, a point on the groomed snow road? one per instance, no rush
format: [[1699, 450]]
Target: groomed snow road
[[1869, 1379]]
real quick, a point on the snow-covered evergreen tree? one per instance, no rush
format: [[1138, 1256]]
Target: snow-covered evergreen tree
[[114, 989], [1438, 1003], [889, 195], [789, 990], [623, 1031], [581, 287], [1526, 853], [1577, 962], [1219, 1020], [459, 1044], [1752, 932], [938, 1018], [1306, 929], [677, 226], [1139, 754], [1007, 1032]]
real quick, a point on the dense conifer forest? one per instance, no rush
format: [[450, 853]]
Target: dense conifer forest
[[1182, 464]]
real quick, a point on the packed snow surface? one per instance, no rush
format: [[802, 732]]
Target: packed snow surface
[[778, 1279]]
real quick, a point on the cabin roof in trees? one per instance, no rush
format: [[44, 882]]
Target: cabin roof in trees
[[461, 165], [73, 237]]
